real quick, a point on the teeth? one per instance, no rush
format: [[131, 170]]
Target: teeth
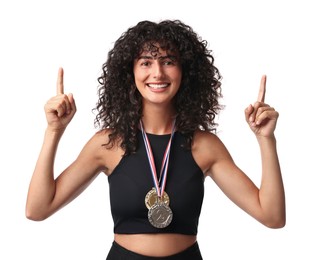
[[157, 86]]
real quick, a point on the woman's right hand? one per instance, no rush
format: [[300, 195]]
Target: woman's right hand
[[61, 108]]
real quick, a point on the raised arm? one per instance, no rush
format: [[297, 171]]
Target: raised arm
[[59, 111], [267, 202], [262, 120]]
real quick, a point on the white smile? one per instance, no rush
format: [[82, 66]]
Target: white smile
[[158, 86]]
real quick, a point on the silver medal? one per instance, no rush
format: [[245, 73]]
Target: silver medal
[[160, 215]]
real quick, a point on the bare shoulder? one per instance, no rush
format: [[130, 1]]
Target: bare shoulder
[[207, 142], [96, 143], [105, 156], [207, 149]]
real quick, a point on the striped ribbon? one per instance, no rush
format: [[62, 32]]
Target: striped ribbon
[[164, 168]]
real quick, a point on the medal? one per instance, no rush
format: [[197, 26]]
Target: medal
[[152, 198], [157, 200], [160, 215]]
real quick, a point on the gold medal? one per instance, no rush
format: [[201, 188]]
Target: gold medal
[[152, 198]]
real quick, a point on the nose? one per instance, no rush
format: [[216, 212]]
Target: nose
[[157, 71]]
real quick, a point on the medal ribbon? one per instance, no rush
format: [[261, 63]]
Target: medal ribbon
[[164, 168]]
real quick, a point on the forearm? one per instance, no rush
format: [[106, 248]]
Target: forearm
[[42, 186], [271, 195]]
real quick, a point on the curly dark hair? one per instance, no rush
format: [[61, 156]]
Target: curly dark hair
[[119, 107]]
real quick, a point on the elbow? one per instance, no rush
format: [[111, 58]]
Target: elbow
[[276, 223], [35, 215]]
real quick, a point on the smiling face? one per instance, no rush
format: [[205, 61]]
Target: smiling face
[[157, 75]]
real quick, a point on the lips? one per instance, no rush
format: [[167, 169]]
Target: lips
[[158, 85]]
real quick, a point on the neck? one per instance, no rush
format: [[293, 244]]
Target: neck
[[158, 120]]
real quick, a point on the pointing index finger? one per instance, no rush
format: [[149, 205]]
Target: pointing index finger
[[262, 90], [60, 85]]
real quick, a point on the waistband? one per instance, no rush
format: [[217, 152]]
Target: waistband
[[121, 253]]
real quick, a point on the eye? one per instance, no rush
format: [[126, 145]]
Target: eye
[[169, 62], [145, 63]]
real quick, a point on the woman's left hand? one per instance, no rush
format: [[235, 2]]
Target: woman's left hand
[[261, 117]]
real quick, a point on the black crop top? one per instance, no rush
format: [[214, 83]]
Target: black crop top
[[131, 180]]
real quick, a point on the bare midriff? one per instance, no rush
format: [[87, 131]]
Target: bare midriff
[[156, 245]]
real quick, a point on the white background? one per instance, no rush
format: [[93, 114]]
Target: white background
[[248, 39]]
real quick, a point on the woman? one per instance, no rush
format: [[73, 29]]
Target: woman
[[158, 98]]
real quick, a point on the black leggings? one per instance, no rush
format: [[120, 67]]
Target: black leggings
[[118, 252]]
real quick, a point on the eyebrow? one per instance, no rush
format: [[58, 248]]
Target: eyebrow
[[148, 57]]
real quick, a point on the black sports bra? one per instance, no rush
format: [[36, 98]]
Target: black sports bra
[[131, 180]]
